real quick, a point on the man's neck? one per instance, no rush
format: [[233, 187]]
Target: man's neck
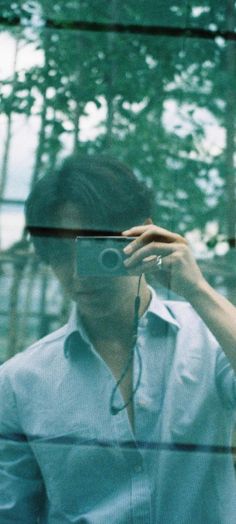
[[116, 322]]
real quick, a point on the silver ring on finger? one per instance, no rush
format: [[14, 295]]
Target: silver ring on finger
[[158, 263]]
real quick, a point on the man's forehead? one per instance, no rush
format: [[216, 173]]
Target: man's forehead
[[69, 216], [72, 216]]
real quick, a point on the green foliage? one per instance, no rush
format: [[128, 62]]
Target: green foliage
[[136, 78]]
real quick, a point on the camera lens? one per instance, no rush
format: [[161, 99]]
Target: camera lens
[[110, 259]]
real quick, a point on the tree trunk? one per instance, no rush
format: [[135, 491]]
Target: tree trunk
[[13, 338], [110, 77], [43, 317], [6, 154], [76, 127], [27, 303], [42, 132]]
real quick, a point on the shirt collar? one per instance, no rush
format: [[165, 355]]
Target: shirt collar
[[75, 332], [156, 310]]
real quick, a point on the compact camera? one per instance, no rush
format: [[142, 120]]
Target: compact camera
[[101, 256]]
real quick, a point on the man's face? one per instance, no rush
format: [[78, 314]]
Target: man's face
[[88, 292]]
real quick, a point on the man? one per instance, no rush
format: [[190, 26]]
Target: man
[[125, 414]]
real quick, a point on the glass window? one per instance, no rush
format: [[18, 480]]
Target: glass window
[[117, 261]]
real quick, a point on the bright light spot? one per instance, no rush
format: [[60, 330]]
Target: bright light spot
[[21, 154], [29, 56], [198, 10], [174, 120], [7, 43], [182, 120], [135, 107], [213, 27], [91, 124], [220, 41], [196, 243], [222, 248], [12, 224], [150, 61], [51, 91], [212, 229]]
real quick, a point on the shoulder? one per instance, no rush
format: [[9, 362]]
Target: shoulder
[[36, 356], [191, 326], [182, 311]]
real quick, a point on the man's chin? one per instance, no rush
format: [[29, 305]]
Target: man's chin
[[90, 296]]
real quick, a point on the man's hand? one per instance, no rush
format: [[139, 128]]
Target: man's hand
[[178, 270]]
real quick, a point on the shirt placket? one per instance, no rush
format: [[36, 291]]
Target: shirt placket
[[140, 501], [134, 455]]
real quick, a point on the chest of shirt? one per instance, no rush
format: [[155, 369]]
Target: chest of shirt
[[176, 392]]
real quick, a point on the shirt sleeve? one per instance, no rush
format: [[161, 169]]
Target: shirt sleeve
[[225, 380], [21, 487]]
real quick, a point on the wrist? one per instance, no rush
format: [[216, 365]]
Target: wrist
[[198, 291]]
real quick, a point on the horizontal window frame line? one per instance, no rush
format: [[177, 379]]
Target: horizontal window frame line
[[59, 232], [126, 444], [113, 27], [11, 201]]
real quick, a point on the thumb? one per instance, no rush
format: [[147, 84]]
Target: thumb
[[148, 221]]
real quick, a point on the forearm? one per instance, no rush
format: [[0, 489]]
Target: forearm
[[182, 274], [219, 315]]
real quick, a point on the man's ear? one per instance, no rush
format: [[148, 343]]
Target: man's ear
[[148, 221]]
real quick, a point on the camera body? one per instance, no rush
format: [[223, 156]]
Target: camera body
[[101, 256]]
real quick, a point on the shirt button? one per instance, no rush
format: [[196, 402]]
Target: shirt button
[[142, 402], [138, 468]]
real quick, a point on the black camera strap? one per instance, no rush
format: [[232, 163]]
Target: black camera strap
[[114, 409]]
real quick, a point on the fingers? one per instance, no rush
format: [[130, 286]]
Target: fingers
[[149, 251], [147, 233], [150, 265], [150, 243]]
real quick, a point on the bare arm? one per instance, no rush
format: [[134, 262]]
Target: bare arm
[[183, 276], [220, 317]]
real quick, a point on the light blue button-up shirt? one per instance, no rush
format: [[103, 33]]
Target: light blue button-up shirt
[[64, 458]]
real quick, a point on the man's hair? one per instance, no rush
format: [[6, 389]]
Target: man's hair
[[105, 191]]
